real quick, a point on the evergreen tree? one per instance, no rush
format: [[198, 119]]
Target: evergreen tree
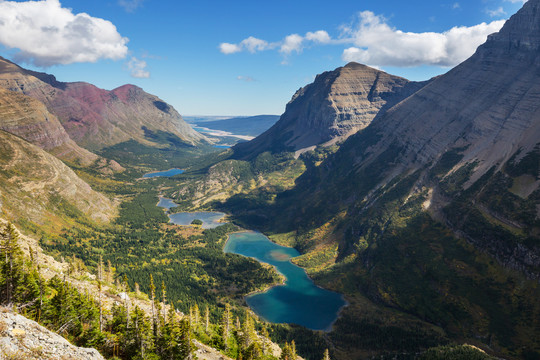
[[326, 355], [153, 301], [288, 352], [12, 264], [206, 319], [226, 325]]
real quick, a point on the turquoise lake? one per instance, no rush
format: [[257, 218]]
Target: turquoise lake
[[299, 300], [168, 173]]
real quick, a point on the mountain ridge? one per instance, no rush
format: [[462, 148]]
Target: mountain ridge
[[336, 105], [95, 118]]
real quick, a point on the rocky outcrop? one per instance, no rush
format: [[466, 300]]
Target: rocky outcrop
[[336, 105], [21, 338], [95, 118], [39, 188]]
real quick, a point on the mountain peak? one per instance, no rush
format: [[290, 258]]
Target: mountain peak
[[336, 105], [521, 32]]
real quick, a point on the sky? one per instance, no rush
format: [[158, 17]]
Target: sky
[[236, 57]]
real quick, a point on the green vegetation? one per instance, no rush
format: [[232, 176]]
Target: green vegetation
[[189, 261], [126, 331]]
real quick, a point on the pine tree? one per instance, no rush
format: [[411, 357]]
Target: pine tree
[[153, 301], [226, 325], [110, 272], [288, 352], [326, 355], [206, 319], [100, 280], [196, 316], [12, 265], [126, 299]]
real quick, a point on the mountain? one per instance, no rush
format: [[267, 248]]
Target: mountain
[[432, 210], [95, 118], [39, 192], [29, 119], [335, 106], [245, 125], [474, 131]]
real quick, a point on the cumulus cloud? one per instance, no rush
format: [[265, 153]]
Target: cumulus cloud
[[372, 41], [130, 5], [376, 43], [291, 43], [251, 44], [138, 68], [47, 34], [320, 36]]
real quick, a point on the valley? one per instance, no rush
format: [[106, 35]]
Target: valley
[[376, 218]]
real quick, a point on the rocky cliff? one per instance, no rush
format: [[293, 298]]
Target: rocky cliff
[[335, 106], [95, 118], [21, 338]]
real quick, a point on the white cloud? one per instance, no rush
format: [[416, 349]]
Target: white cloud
[[48, 34], [320, 36], [130, 5], [372, 41], [517, 1], [376, 43], [496, 12], [291, 43], [251, 44], [456, 5], [138, 68], [227, 48]]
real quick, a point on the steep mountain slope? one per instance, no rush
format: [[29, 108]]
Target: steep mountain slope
[[97, 118], [479, 121], [336, 105], [37, 189], [29, 119], [434, 208]]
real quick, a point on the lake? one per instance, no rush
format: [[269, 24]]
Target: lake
[[299, 300], [210, 219], [167, 173]]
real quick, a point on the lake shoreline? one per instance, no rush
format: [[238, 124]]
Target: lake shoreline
[[284, 281]]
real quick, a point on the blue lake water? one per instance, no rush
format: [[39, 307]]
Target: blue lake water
[[210, 219], [299, 301], [170, 172]]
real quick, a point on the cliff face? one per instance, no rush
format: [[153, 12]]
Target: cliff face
[[97, 118], [335, 106]]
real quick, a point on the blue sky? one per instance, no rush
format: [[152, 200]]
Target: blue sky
[[240, 57]]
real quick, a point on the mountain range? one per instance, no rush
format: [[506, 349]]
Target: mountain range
[[419, 201], [95, 118]]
